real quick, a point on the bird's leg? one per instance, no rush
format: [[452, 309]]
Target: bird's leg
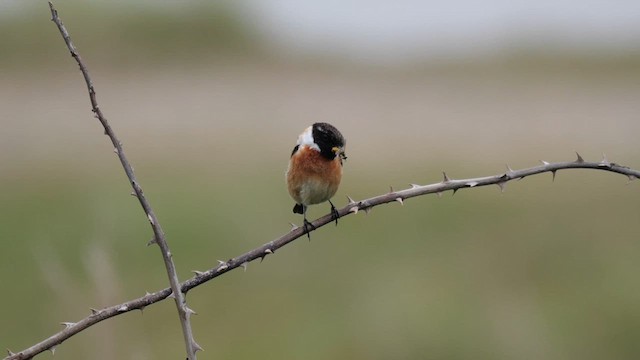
[[334, 213], [307, 225]]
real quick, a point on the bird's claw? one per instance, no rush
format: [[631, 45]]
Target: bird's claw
[[334, 213], [308, 227]]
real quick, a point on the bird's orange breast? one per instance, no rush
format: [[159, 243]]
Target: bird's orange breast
[[312, 178]]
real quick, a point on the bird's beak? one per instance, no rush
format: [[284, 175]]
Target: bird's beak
[[339, 152]]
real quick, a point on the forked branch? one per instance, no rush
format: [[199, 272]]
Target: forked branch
[[352, 207]]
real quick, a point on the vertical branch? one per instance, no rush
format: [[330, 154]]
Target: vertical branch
[[183, 311]]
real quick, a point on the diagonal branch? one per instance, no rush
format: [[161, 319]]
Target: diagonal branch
[[183, 311], [269, 248]]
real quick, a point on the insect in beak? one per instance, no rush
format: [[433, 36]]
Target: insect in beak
[[339, 152]]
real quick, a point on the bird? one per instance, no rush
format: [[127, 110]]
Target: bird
[[315, 169]]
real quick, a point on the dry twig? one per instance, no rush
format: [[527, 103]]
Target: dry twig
[[352, 208], [183, 311]]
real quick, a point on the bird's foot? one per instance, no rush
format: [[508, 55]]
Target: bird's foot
[[334, 213], [308, 227]]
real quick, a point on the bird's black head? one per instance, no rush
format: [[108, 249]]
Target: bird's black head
[[329, 139]]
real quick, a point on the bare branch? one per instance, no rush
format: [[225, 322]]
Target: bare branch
[[96, 316], [269, 248], [159, 237]]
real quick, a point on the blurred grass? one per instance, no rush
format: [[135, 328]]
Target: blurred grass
[[546, 269]]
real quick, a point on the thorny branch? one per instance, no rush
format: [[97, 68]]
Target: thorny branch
[[183, 311], [352, 208]]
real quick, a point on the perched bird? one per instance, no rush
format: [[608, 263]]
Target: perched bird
[[315, 169]]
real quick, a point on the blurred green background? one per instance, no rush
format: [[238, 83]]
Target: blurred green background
[[208, 100]]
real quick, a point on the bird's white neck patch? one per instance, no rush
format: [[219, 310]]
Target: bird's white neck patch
[[306, 139]]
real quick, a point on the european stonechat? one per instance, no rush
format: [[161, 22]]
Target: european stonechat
[[315, 169]]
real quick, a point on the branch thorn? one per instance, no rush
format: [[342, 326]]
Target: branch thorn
[[545, 163], [293, 226], [502, 186], [553, 174], [399, 199], [188, 311], [472, 183], [414, 186], [391, 189], [605, 161], [351, 201], [265, 253], [67, 324], [198, 273], [222, 265], [10, 353], [579, 159], [446, 178], [509, 169], [152, 241], [244, 265], [94, 311], [197, 347], [123, 308], [53, 350], [354, 210]]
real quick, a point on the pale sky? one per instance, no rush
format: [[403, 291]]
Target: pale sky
[[424, 27], [399, 29]]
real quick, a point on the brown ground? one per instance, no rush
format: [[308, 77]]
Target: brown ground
[[479, 115]]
